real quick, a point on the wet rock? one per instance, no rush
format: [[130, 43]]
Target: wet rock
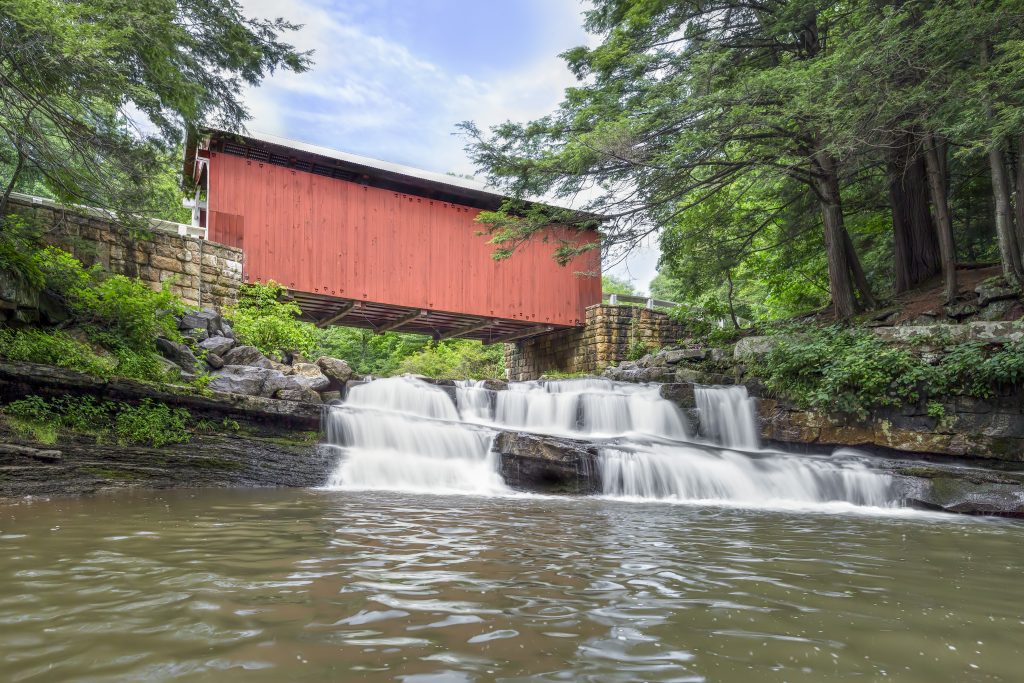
[[964, 495], [177, 353], [495, 384], [328, 396], [306, 395], [309, 376], [546, 463], [337, 372], [218, 344], [247, 355]]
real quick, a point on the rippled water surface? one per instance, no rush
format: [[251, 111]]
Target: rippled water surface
[[326, 585]]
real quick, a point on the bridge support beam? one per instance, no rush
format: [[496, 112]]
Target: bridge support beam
[[343, 311], [467, 329], [398, 322], [521, 334]]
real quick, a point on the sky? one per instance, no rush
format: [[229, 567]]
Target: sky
[[392, 78]]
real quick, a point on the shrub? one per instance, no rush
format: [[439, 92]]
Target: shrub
[[126, 309], [18, 237], [32, 418], [154, 424], [457, 359], [52, 348], [149, 423], [263, 320], [843, 370]]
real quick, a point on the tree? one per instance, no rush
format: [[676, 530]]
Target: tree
[[681, 100], [96, 94], [614, 285]]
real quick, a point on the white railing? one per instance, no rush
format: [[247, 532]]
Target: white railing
[[649, 302]]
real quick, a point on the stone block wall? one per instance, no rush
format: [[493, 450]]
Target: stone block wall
[[611, 335], [204, 274]]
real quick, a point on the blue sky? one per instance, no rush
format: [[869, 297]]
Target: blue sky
[[392, 78]]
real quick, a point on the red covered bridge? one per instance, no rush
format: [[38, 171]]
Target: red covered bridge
[[366, 243]]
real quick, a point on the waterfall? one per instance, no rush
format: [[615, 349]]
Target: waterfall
[[406, 434], [402, 433], [693, 474], [588, 408], [728, 416]]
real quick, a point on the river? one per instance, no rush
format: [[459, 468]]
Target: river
[[706, 558], [317, 585]]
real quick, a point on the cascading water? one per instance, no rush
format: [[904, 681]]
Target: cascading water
[[727, 416], [701, 473], [403, 433]]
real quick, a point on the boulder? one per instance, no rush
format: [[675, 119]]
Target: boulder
[[548, 463], [337, 371], [219, 345], [226, 330], [306, 395], [751, 347], [674, 356], [994, 289], [309, 376], [329, 396], [213, 360], [197, 334], [251, 381], [201, 320], [247, 355], [177, 353]]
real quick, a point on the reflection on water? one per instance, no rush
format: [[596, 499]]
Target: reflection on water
[[327, 585]]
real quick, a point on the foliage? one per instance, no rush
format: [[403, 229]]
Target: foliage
[[852, 371], [370, 353], [32, 418], [97, 94], [614, 285], [125, 309], [743, 133], [456, 359], [55, 347], [264, 320], [148, 423], [18, 237]]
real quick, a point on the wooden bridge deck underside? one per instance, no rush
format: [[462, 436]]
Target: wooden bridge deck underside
[[325, 310]]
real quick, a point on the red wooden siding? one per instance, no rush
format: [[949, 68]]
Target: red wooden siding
[[334, 237]]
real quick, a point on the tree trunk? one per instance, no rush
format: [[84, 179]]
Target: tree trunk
[[934, 163], [1019, 197], [827, 186], [10, 186], [867, 299], [732, 308], [1009, 250], [916, 245]]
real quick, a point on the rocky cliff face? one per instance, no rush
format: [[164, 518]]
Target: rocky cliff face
[[275, 443]]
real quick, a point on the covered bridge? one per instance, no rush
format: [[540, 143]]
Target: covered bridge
[[368, 243]]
